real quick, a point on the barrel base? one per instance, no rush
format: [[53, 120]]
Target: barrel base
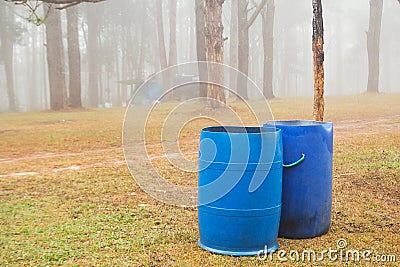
[[239, 253]]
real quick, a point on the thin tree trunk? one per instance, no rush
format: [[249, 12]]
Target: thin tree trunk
[[318, 55], [268, 44], [74, 59], [7, 49], [201, 45], [93, 54], [160, 35], [55, 58], [161, 44], [143, 34], [243, 48], [233, 44], [373, 40], [172, 59], [34, 88], [215, 51], [45, 72], [243, 43]]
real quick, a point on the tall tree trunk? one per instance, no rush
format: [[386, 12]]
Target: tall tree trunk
[[243, 48], [373, 38], [318, 55], [233, 43], [268, 44], [7, 49], [160, 35], [215, 51], [74, 59], [93, 54], [201, 45], [34, 88], [140, 63], [243, 42], [161, 43], [172, 59], [55, 58]]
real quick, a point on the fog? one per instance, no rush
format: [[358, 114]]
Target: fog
[[127, 48]]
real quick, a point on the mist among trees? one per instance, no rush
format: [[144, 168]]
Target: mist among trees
[[96, 54]]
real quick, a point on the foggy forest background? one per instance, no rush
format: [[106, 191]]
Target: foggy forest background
[[119, 48]]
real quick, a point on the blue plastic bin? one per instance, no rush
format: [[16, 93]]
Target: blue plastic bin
[[307, 187], [240, 186]]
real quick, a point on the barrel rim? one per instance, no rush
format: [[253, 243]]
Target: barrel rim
[[243, 130], [296, 123]]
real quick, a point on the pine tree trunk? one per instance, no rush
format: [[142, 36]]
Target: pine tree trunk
[[233, 44], [140, 63], [215, 52], [160, 34], [34, 88], [318, 55], [243, 48], [93, 54], [55, 59], [74, 58], [201, 45], [161, 44], [243, 42], [7, 49], [268, 44], [373, 40], [172, 59]]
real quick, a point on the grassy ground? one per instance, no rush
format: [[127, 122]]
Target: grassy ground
[[67, 197]]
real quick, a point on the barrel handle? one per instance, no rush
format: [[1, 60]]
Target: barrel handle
[[296, 162]]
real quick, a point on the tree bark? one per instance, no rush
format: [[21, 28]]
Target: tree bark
[[55, 58], [215, 52], [172, 59], [7, 39], [318, 55], [160, 35], [93, 50], [243, 43], [268, 15], [74, 58], [140, 63], [161, 44], [201, 45], [233, 44], [373, 40]]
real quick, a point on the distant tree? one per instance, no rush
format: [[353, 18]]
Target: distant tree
[[215, 51], [55, 58], [93, 32], [244, 24], [74, 59], [373, 40], [172, 59], [268, 15], [160, 35], [201, 44], [233, 43], [7, 39], [318, 55]]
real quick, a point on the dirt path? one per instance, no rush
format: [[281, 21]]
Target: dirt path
[[342, 129]]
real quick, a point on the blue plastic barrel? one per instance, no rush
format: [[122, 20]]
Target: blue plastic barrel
[[307, 187], [240, 189]]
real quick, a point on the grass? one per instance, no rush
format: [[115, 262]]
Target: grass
[[67, 197]]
